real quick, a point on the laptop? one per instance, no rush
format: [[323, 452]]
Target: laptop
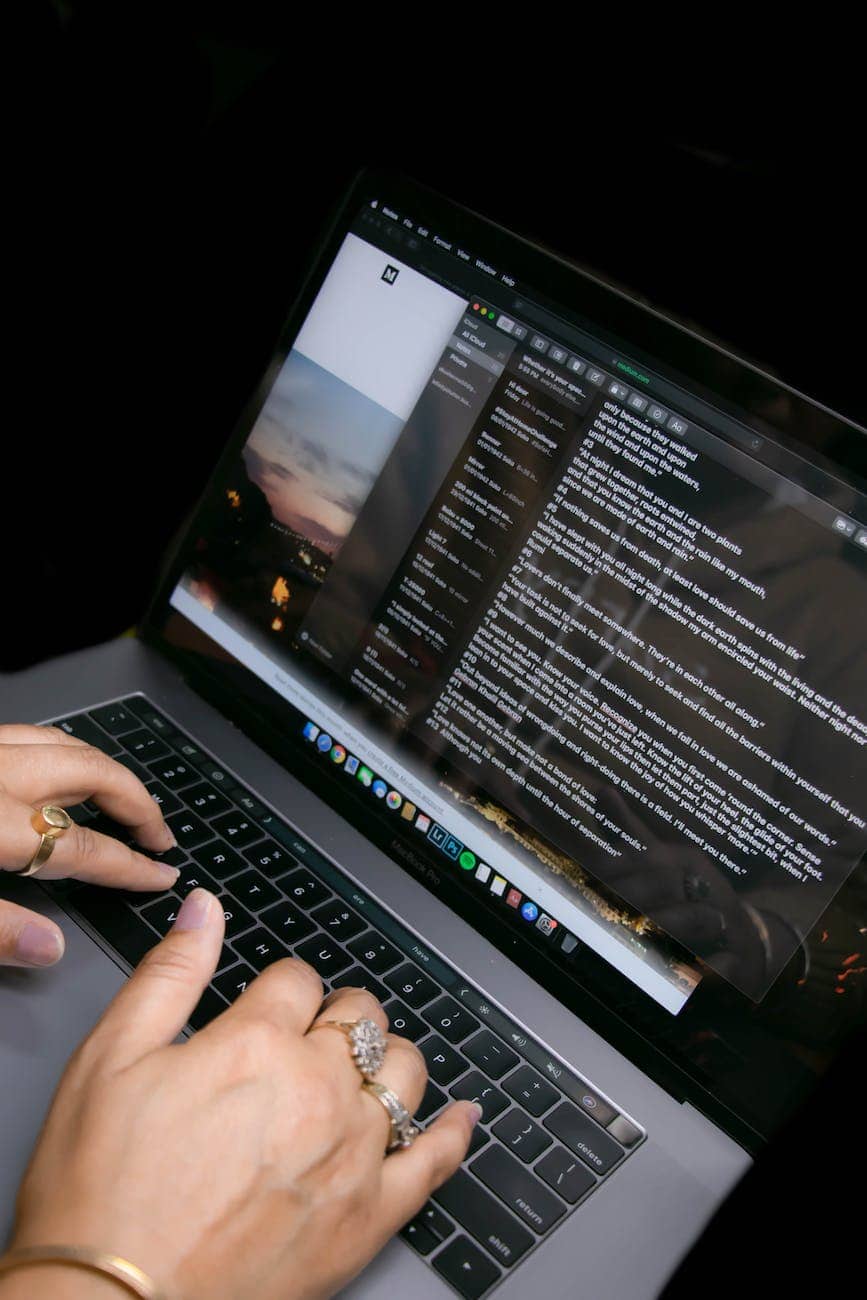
[[513, 665]]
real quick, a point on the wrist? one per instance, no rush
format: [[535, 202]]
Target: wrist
[[58, 1282]]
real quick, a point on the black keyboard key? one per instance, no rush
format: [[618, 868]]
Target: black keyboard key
[[338, 919], [304, 889], [209, 1007], [484, 1217], [411, 984], [568, 1176], [450, 1019], [115, 719], [232, 983], [269, 858], [82, 813], [193, 877], [174, 773], [133, 765], [253, 890], [517, 1188], [217, 858], [435, 1221], [165, 800], [477, 1141], [585, 1138], [464, 1266], [112, 919], [189, 830], [227, 958], [205, 800], [475, 1087], [237, 918], [152, 719], [523, 1138], [190, 751], [145, 746], [405, 1022], [432, 1100], [419, 1237], [359, 978], [237, 829], [443, 1062], [82, 728], [162, 914], [490, 1054], [324, 955], [286, 921], [376, 953], [260, 947], [176, 857], [531, 1090]]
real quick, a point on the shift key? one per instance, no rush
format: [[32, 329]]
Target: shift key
[[484, 1218]]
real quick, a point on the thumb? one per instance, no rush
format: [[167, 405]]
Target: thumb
[[28, 939], [157, 1000]]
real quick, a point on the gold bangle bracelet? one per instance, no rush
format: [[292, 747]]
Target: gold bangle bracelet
[[115, 1267]]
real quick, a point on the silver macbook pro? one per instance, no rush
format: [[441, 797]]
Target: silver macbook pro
[[514, 665]]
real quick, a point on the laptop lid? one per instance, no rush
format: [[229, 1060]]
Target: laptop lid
[[563, 607]]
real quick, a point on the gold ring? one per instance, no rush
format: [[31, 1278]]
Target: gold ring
[[367, 1043], [402, 1130], [49, 822]]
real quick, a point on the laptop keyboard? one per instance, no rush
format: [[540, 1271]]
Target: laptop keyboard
[[547, 1137]]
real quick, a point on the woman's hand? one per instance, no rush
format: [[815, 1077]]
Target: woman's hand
[[245, 1162], [40, 765]]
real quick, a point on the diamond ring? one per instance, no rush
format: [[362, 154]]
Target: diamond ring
[[403, 1131], [367, 1043]]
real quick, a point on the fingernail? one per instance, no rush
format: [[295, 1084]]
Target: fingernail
[[168, 840], [171, 873], [39, 946], [476, 1112], [194, 911]]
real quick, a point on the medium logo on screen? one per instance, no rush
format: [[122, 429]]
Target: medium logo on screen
[[390, 274]]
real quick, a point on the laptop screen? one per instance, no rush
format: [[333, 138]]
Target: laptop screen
[[579, 634]]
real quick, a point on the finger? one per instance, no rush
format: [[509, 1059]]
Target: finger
[[80, 852], [348, 1004], [409, 1176], [404, 1072], [17, 733], [28, 939], [288, 993], [157, 1000], [39, 774]]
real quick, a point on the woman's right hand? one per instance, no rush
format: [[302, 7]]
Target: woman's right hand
[[245, 1162]]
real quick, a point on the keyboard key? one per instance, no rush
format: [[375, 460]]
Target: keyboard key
[[190, 751], [434, 1098], [232, 983], [477, 1141], [188, 829], [435, 1221], [260, 948], [213, 772], [252, 807], [484, 1217], [625, 1132], [569, 1178], [269, 858], [112, 919], [523, 1138], [287, 922], [163, 914], [531, 1090], [237, 829], [205, 800], [209, 1007], [475, 1087], [443, 1062], [151, 718], [338, 919], [167, 802], [115, 719], [405, 1022], [82, 728], [596, 1106], [217, 858], [253, 890], [490, 1054], [192, 877], [174, 773], [304, 889], [466, 1268], [237, 918], [145, 746], [133, 765], [419, 1237], [359, 978], [176, 857], [518, 1189], [585, 1138], [227, 958], [452, 1020], [377, 953], [325, 956], [412, 985]]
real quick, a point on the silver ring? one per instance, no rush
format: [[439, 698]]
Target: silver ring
[[403, 1131], [367, 1043]]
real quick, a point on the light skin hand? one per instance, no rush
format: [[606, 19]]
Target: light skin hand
[[40, 765], [245, 1162]]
